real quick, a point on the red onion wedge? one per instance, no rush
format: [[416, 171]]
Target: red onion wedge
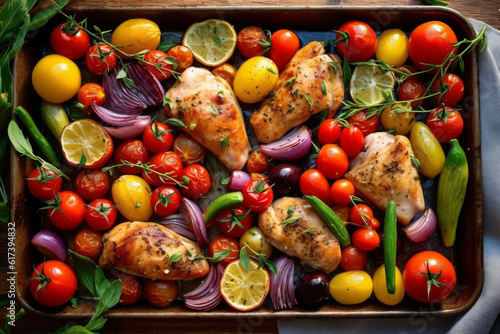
[[292, 146], [114, 118], [207, 295], [281, 291], [178, 224], [50, 244], [238, 180], [421, 229], [193, 215], [129, 131]]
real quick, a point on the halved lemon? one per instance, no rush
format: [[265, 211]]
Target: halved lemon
[[86, 137], [244, 290], [212, 41], [369, 82]]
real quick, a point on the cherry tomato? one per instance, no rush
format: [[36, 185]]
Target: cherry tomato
[[158, 63], [91, 92], [60, 283], [158, 137], [257, 195], [313, 182], [353, 258], [361, 214], [252, 42], [234, 221], [165, 200], [411, 89], [367, 125], [188, 149], [168, 165], [374, 223], [445, 123], [183, 55], [161, 293], [356, 41], [131, 287], [352, 140], [258, 162], [196, 181], [365, 239], [133, 151], [69, 41], [221, 243], [101, 214], [332, 161], [451, 88], [88, 243], [100, 59], [284, 44], [429, 277], [226, 71], [392, 47], [329, 132], [92, 184], [67, 210], [44, 183], [430, 43], [341, 191]]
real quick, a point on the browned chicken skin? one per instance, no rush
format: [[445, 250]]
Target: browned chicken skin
[[305, 236], [317, 76], [383, 171], [146, 249]]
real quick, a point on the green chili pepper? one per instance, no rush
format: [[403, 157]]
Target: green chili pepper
[[390, 245], [222, 202]]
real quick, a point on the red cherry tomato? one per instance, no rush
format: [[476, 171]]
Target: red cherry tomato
[[430, 43], [367, 125], [361, 214], [356, 41], [332, 161], [429, 277], [67, 210], [258, 162], [88, 243], [91, 92], [69, 41], [161, 293], [329, 132], [131, 287], [60, 283], [257, 195], [235, 221], [411, 89], [183, 55], [101, 214], [158, 137], [341, 191], [164, 169], [365, 239], [445, 123], [43, 183], [165, 200], [313, 182], [284, 44], [92, 184], [252, 42], [100, 59], [222, 243], [352, 140], [133, 151], [188, 149], [451, 88], [353, 258], [158, 63], [196, 181]]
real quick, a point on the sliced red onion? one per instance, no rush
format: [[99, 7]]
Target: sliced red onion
[[148, 91], [421, 229], [281, 291], [238, 180], [114, 118], [178, 224], [193, 215], [207, 295], [50, 244], [129, 131], [292, 146]]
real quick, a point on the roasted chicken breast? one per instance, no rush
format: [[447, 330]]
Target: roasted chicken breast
[[147, 249]]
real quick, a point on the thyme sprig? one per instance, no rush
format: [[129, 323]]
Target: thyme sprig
[[148, 169]]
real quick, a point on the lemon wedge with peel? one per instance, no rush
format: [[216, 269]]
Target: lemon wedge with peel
[[368, 84]]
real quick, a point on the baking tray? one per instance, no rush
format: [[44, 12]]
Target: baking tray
[[467, 254]]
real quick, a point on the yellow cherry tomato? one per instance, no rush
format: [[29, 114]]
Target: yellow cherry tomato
[[56, 78], [132, 196], [136, 35], [351, 287], [380, 287], [394, 118], [255, 78], [257, 243], [427, 150], [392, 47]]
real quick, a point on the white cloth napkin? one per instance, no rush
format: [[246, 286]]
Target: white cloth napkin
[[481, 317]]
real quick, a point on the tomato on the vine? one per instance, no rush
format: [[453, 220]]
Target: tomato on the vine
[[53, 283], [101, 214], [164, 169], [356, 41], [445, 123], [221, 243], [353, 258], [195, 180], [351, 140], [88, 93], [92, 184], [44, 183], [182, 55], [158, 63], [158, 137], [67, 210], [365, 239], [69, 40], [411, 89], [341, 191], [329, 132], [88, 243], [284, 44], [313, 182], [100, 59], [332, 161], [257, 195], [188, 149], [258, 162], [133, 151], [235, 221], [252, 42], [451, 89], [165, 200], [367, 125]]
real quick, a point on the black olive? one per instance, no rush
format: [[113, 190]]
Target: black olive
[[313, 288], [285, 178]]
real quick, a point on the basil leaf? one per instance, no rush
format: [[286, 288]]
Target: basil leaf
[[220, 255], [166, 45], [19, 141], [11, 16], [110, 297], [95, 324], [175, 122], [101, 283], [245, 259], [74, 330], [40, 19], [175, 257], [85, 272], [271, 266]]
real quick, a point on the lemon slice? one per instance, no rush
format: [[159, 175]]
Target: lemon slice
[[368, 82], [86, 137], [244, 290], [212, 41]]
